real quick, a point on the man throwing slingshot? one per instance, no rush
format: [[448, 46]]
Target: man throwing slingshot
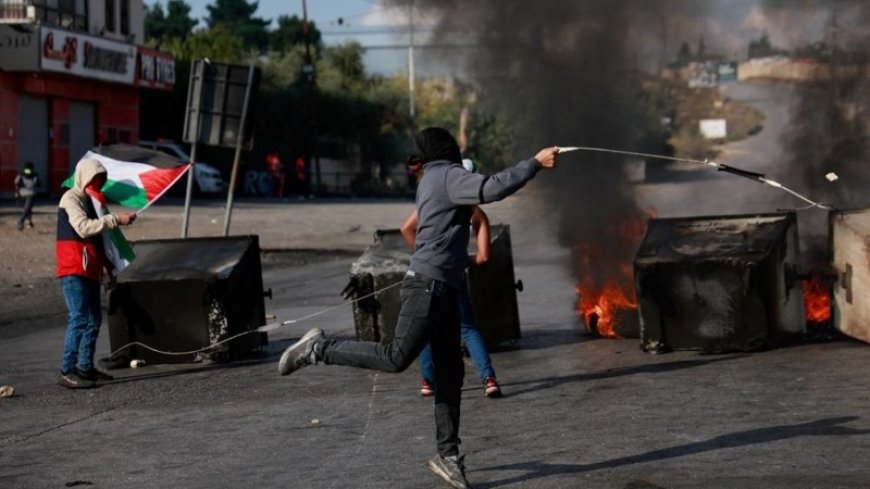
[[430, 310]]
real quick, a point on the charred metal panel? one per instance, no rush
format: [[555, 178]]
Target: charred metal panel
[[719, 284], [384, 263], [185, 294], [494, 291], [850, 242], [492, 287]]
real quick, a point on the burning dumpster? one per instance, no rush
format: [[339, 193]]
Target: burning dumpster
[[719, 284], [850, 242], [185, 294], [384, 263]]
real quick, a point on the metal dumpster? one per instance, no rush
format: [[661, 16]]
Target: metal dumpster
[[492, 286], [850, 242], [185, 294], [717, 284]]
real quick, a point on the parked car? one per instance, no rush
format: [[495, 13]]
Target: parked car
[[206, 178]]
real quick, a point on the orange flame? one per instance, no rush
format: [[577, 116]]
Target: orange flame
[[606, 286], [600, 308], [817, 299]]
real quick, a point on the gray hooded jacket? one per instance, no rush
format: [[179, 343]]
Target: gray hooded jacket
[[444, 199]]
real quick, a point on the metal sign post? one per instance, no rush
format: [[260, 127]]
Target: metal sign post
[[240, 139], [193, 88], [213, 117]]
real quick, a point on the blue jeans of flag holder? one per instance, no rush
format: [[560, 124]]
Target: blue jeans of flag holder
[[85, 315]]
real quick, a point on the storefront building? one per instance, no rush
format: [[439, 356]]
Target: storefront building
[[70, 80]]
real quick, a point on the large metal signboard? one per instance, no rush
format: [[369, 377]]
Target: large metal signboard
[[217, 97]]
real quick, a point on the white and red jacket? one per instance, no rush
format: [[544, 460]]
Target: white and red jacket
[[79, 247]]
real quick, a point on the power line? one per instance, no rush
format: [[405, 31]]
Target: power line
[[404, 47], [375, 31]]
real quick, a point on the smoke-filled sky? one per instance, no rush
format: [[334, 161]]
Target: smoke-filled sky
[[726, 26], [567, 70]]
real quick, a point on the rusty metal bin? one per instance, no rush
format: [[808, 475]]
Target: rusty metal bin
[[718, 284], [185, 294], [492, 287]]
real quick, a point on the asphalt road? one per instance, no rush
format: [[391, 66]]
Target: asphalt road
[[577, 411]]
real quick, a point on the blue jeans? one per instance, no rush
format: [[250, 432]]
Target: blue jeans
[[472, 338], [82, 297]]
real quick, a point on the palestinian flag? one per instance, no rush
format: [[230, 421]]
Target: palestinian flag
[[140, 178], [118, 251]]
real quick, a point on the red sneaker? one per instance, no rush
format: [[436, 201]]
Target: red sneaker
[[491, 388], [426, 388]]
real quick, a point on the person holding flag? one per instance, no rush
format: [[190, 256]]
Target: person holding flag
[[88, 240]]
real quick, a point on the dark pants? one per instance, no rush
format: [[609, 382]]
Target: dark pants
[[429, 315], [27, 213]]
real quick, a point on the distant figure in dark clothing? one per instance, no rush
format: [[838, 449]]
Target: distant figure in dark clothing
[[26, 184], [429, 293]]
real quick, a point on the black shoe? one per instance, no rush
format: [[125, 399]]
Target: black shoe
[[95, 375], [73, 380], [114, 363], [451, 469], [20, 226], [301, 353]]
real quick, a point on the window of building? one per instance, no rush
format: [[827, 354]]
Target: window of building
[[69, 14], [125, 17], [110, 15]]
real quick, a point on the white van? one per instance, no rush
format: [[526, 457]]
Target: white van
[[207, 179]]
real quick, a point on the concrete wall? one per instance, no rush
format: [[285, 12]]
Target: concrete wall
[[781, 68], [97, 20]]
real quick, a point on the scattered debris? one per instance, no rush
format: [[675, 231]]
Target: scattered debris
[[315, 422], [832, 177], [137, 363], [7, 391]]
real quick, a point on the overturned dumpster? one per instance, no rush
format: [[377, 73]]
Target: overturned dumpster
[[717, 284], [181, 295], [492, 287]]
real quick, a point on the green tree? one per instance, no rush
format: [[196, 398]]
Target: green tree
[[281, 70], [217, 44], [341, 68], [238, 17], [175, 23], [290, 32]]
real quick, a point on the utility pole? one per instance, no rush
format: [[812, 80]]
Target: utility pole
[[308, 70], [411, 57]]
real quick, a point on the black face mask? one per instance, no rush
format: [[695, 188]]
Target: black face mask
[[436, 143]]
